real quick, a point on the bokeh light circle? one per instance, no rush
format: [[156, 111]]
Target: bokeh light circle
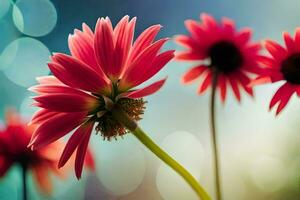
[[34, 17], [27, 59], [188, 151], [122, 165], [26, 108], [4, 7], [268, 173]]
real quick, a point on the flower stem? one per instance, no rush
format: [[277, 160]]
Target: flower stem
[[154, 148], [140, 134], [214, 136], [24, 177]]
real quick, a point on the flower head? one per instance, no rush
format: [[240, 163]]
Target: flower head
[[97, 78], [220, 49], [14, 139], [282, 64]]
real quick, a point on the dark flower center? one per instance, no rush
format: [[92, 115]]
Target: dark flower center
[[109, 126], [290, 69], [225, 56]]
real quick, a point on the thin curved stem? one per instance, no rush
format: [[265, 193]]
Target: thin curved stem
[[24, 180], [140, 134], [123, 118], [214, 136]]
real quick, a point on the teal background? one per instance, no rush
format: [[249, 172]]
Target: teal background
[[260, 153]]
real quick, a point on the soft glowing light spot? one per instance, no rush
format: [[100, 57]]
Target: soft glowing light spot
[[121, 167], [188, 151], [34, 17], [29, 61], [8, 55], [8, 33], [268, 173], [26, 109], [4, 7]]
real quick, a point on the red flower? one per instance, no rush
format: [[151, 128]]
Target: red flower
[[222, 50], [283, 64], [99, 75], [13, 150]]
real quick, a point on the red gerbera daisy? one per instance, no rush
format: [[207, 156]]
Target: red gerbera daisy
[[227, 53], [14, 139], [225, 56], [94, 83], [283, 64]]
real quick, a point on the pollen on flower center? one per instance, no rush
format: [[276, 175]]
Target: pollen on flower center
[[110, 127], [290, 68], [225, 56]]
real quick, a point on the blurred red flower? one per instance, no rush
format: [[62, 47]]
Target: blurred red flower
[[282, 64], [99, 75], [14, 139], [221, 50]]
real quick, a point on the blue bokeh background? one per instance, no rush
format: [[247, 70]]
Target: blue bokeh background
[[260, 153]]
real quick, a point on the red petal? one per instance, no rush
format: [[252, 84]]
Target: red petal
[[132, 76], [67, 102], [124, 34], [104, 47], [207, 82], [190, 56], [75, 73], [42, 115], [74, 141], [244, 80], [289, 42], [44, 89], [55, 128], [48, 80], [186, 41], [194, 28], [297, 39], [193, 73], [285, 99], [148, 71], [244, 36], [275, 49], [260, 80], [277, 96], [208, 21], [146, 91], [86, 29], [143, 41], [267, 62], [298, 91], [82, 47], [235, 88], [80, 154], [222, 86], [228, 26]]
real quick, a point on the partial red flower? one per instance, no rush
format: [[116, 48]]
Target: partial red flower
[[99, 76], [282, 64], [14, 139], [219, 48]]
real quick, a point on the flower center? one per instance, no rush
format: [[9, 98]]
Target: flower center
[[290, 69], [109, 126], [225, 56]]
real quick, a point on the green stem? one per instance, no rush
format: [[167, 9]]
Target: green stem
[[122, 117], [214, 136], [140, 134]]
